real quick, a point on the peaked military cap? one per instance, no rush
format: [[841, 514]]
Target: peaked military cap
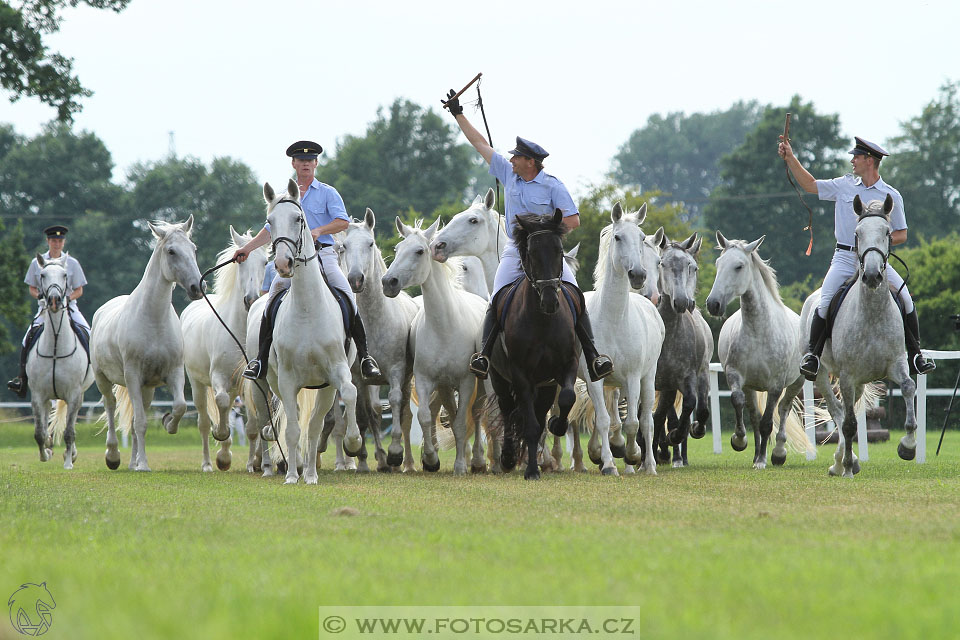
[[56, 231], [867, 148], [529, 149], [304, 149]]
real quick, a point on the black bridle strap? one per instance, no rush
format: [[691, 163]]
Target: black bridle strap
[[539, 285], [296, 247]]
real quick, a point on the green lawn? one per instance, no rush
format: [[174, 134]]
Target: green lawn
[[716, 550]]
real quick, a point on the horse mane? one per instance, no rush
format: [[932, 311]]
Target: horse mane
[[534, 223], [767, 273], [600, 270], [226, 276], [446, 268]]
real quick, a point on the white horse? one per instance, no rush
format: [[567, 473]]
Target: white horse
[[628, 328], [135, 342], [308, 346], [387, 322], [475, 231], [212, 358], [471, 276], [57, 368], [866, 342], [758, 347], [445, 332]]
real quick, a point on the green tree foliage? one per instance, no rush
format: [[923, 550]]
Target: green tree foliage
[[408, 158], [27, 67], [925, 165], [678, 153], [755, 198], [14, 305]]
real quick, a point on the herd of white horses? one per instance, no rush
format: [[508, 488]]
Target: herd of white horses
[[661, 350]]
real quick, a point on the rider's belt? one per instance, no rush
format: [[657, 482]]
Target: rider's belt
[[844, 247], [321, 245]]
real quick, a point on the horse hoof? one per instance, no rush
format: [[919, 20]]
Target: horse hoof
[[906, 453], [556, 428], [609, 471], [267, 433], [738, 445], [663, 456], [778, 459], [618, 450], [394, 459], [507, 463], [355, 453], [282, 467], [634, 461], [675, 437], [113, 465], [833, 471], [167, 422], [482, 468], [595, 458], [532, 475], [697, 430], [432, 468], [385, 469], [223, 463], [856, 467]]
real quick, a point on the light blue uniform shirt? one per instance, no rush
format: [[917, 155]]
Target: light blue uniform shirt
[[543, 194], [843, 189], [322, 205]]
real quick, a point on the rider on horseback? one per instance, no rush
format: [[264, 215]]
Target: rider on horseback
[[865, 181], [326, 215], [56, 237], [528, 190]]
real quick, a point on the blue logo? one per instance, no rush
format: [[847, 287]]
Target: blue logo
[[30, 609]]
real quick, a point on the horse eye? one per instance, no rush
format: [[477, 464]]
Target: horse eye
[[170, 252], [739, 267], [419, 252], [617, 238], [473, 221], [371, 244]]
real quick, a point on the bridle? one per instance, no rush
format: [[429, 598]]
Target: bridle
[[540, 285], [295, 245], [861, 257], [65, 310]]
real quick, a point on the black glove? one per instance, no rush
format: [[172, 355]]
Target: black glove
[[453, 104]]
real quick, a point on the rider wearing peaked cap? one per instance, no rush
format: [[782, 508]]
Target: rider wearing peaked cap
[[866, 182]]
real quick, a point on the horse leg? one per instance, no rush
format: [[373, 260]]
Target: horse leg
[[70, 433], [907, 448], [222, 431], [458, 419], [766, 427], [631, 426], [203, 422], [171, 421], [41, 409], [688, 390], [753, 415], [618, 446], [543, 399], [645, 416], [849, 395], [507, 403], [406, 422], [576, 448], [598, 448], [738, 441], [699, 428], [396, 396], [477, 463], [779, 455], [374, 417], [288, 391], [429, 459], [323, 403], [138, 454], [112, 455], [364, 418]]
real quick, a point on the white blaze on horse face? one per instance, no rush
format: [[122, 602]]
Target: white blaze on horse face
[[627, 249], [53, 283], [286, 221], [873, 245]]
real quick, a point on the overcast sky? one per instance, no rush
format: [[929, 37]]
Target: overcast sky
[[245, 79]]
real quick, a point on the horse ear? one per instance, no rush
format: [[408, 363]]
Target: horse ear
[[695, 247], [188, 225], [658, 238], [40, 260], [432, 229], [857, 204], [158, 232], [888, 204], [293, 190], [573, 252], [490, 200], [403, 229], [617, 212], [557, 216], [369, 219], [721, 241], [268, 193], [664, 241], [236, 237], [686, 244], [642, 213], [750, 248]]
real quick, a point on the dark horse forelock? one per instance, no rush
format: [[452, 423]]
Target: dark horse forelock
[[528, 223]]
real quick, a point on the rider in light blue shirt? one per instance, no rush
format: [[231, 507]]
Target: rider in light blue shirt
[[528, 190]]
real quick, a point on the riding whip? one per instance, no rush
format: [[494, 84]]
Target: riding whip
[[809, 227]]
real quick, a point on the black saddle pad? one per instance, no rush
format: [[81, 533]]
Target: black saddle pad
[[505, 299], [841, 295]]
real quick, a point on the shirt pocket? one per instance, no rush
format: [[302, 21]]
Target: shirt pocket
[[539, 199]]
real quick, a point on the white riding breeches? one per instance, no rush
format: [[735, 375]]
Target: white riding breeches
[[843, 266], [41, 318], [510, 269]]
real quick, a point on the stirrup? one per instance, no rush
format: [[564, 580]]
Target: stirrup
[[479, 365], [369, 369], [810, 366], [922, 365], [16, 385], [600, 368], [252, 372]]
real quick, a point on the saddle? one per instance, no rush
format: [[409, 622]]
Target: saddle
[[504, 299], [82, 333], [346, 311], [841, 294]]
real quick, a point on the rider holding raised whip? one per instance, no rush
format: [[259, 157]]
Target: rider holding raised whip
[[865, 181], [528, 189]]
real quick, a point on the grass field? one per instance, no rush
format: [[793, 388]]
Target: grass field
[[716, 550]]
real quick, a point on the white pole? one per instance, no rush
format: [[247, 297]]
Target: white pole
[[808, 418], [715, 406], [921, 419]]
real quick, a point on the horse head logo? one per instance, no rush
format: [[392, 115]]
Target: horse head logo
[[30, 609]]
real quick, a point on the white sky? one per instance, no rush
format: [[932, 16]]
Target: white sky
[[245, 79]]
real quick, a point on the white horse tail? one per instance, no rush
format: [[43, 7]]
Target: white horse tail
[[213, 412], [123, 416], [871, 394], [445, 437], [58, 421], [492, 420], [581, 413], [413, 392], [247, 395], [306, 400], [796, 437]]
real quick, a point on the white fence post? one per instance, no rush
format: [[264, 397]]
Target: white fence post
[[715, 405], [921, 419], [809, 422]]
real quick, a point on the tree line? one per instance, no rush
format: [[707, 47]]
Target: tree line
[[698, 172]]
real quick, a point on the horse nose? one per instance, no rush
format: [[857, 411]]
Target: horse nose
[[356, 281], [439, 251], [391, 286], [196, 291], [637, 277], [248, 301], [713, 307]]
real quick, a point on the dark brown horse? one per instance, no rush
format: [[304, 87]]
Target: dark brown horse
[[542, 351]]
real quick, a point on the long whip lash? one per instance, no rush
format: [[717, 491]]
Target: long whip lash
[[809, 227]]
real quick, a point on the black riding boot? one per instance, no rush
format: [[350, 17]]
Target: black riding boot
[[911, 332], [480, 362], [810, 364], [257, 369], [19, 384], [599, 366], [368, 366]]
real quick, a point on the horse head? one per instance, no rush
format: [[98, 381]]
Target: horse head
[[178, 256], [539, 241], [872, 239], [734, 272], [411, 262], [288, 227], [651, 262], [469, 232], [622, 247], [678, 272], [360, 251], [53, 281], [250, 271]]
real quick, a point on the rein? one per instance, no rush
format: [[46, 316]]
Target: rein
[[295, 246], [56, 333], [540, 285]]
